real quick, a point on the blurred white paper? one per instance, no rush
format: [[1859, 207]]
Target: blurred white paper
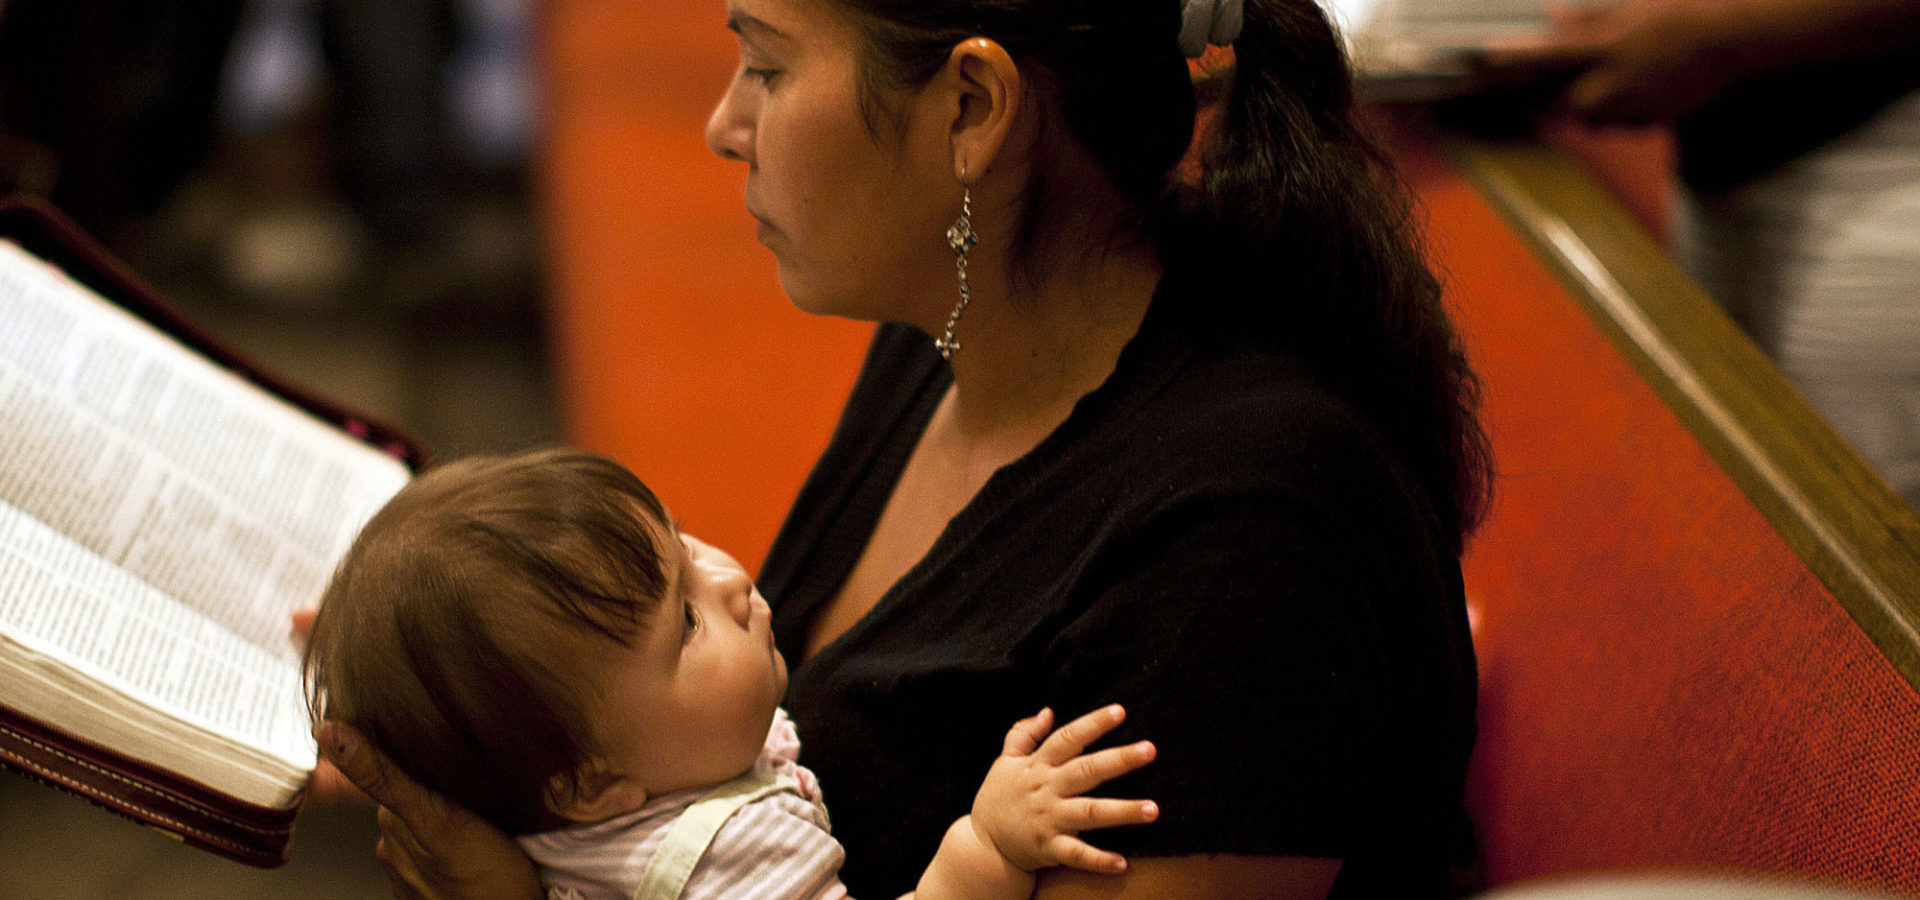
[[1412, 49]]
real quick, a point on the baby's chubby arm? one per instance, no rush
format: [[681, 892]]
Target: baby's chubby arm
[[1030, 810]]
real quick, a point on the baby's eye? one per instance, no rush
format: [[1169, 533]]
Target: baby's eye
[[690, 622]]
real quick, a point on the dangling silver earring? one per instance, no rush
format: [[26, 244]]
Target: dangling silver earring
[[962, 238]]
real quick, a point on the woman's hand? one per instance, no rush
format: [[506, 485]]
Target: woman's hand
[[432, 848], [1640, 62], [327, 787], [1636, 62]]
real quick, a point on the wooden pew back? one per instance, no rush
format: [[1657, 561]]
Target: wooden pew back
[[1695, 609]]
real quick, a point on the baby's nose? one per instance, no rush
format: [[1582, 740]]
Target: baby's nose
[[740, 596]]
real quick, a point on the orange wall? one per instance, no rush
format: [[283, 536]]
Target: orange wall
[[680, 356]]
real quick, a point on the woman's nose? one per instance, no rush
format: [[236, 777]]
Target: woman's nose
[[728, 134]]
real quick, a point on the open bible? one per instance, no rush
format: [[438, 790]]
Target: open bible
[[164, 506]]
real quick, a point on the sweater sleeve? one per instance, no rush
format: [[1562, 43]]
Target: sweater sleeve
[[1294, 650]]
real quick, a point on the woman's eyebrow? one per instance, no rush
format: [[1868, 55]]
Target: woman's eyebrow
[[742, 24]]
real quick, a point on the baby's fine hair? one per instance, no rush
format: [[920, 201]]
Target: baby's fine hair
[[452, 632]]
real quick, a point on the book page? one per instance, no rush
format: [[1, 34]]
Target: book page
[[72, 611], [160, 464]]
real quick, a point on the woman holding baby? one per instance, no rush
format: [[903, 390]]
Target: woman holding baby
[[1195, 438]]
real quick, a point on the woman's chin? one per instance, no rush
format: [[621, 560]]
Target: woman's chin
[[810, 299], [860, 301]]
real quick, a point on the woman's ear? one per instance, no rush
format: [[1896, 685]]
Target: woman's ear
[[990, 94], [593, 794]]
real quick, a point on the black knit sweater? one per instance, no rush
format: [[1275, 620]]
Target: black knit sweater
[[1211, 539]]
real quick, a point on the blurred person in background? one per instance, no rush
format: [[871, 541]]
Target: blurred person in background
[[107, 107], [1797, 126]]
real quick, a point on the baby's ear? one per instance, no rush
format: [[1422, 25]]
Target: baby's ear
[[595, 793]]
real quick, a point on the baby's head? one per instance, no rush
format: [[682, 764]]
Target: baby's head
[[532, 637]]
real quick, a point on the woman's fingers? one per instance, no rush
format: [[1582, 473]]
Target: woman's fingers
[[399, 854], [352, 760], [369, 770], [328, 787], [303, 622], [1073, 738], [431, 847]]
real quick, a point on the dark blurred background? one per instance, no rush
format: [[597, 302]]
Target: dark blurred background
[[340, 188]]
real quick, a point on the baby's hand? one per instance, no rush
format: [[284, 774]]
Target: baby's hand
[[1030, 808]]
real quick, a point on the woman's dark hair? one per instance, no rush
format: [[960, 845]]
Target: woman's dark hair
[[1294, 218], [448, 635]]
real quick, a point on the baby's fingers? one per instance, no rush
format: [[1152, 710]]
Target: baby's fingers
[[1091, 813], [1025, 735], [1073, 738], [1094, 769], [1075, 853]]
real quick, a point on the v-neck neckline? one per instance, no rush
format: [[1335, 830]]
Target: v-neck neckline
[[1145, 364]]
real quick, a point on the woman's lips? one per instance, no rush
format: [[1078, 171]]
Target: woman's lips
[[763, 229]]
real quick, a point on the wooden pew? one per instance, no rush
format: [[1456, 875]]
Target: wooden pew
[[1697, 611]]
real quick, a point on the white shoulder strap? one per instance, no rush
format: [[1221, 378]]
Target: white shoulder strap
[[689, 836]]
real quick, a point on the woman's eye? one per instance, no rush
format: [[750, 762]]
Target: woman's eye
[[690, 622], [764, 76]]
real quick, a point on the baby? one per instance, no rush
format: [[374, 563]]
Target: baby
[[532, 636]]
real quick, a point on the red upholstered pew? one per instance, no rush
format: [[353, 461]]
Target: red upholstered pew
[[1696, 611]]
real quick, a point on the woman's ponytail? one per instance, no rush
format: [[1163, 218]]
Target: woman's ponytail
[[1300, 217]]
